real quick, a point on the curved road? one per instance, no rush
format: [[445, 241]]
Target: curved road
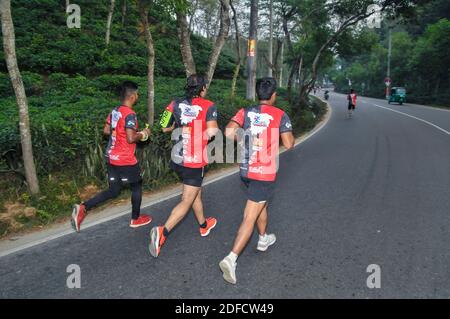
[[374, 189]]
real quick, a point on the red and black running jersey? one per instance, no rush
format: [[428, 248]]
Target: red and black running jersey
[[191, 117], [119, 152], [352, 99], [262, 125]]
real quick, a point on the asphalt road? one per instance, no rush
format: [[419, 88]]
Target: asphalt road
[[374, 189]]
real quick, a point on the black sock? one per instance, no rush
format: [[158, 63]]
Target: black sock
[[204, 225], [165, 232]]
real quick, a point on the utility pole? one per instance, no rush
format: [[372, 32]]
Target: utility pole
[[388, 75], [251, 52]]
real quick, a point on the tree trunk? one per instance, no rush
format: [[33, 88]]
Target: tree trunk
[[238, 53], [143, 11], [294, 71], [9, 48], [109, 21], [270, 73], [185, 43], [220, 40], [280, 81], [251, 54], [124, 12]]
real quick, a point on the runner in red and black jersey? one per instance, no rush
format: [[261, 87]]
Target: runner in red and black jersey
[[261, 126], [194, 120], [351, 97], [121, 127]]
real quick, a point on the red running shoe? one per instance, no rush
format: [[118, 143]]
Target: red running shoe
[[78, 215], [211, 222], [141, 221]]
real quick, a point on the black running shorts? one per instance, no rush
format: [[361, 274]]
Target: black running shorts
[[189, 176], [351, 106], [258, 191], [125, 174]]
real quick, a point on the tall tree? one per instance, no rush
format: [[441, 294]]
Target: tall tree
[[184, 36], [143, 7], [220, 40], [238, 52], [251, 52], [9, 47], [109, 22], [185, 43]]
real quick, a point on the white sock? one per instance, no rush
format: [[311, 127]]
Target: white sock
[[263, 237], [233, 257]]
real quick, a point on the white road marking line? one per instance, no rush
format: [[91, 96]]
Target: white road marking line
[[87, 225], [414, 117]]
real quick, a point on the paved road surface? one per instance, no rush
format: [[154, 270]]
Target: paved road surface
[[374, 189]]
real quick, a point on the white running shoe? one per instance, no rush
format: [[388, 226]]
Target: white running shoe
[[228, 268], [266, 241]]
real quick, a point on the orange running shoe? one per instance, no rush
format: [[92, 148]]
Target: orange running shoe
[[211, 222], [157, 240]]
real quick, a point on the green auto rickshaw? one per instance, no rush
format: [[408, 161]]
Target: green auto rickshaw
[[398, 95]]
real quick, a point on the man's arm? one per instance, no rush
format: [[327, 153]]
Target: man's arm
[[211, 129], [231, 130], [211, 122], [288, 140], [167, 121], [134, 137], [107, 129], [236, 123]]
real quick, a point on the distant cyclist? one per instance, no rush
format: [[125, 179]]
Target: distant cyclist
[[351, 102], [196, 119]]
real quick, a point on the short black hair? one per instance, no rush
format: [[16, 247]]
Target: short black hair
[[194, 85], [127, 89], [265, 87], [351, 90]]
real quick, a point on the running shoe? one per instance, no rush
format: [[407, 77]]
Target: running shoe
[[78, 215], [211, 222], [228, 268], [265, 242], [141, 221], [157, 239]]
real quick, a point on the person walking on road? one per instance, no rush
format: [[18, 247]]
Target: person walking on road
[[351, 97], [195, 118], [123, 168], [262, 126]]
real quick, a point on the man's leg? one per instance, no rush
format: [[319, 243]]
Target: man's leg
[[112, 192], [136, 199], [180, 211], [261, 222], [251, 214], [197, 206], [79, 211]]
